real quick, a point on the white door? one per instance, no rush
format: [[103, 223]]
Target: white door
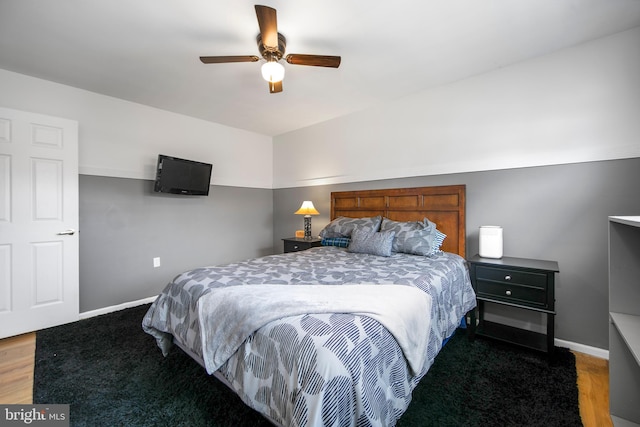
[[38, 221]]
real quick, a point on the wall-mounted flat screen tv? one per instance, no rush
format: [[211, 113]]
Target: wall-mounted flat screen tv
[[181, 176]]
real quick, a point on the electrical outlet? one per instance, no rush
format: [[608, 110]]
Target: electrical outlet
[[156, 262]]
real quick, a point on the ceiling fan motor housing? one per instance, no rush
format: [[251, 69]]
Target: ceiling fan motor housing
[[269, 53]]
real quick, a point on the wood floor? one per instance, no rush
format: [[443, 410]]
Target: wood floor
[[593, 386], [17, 360], [17, 356]]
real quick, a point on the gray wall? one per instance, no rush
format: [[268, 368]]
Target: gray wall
[[552, 212], [124, 225]]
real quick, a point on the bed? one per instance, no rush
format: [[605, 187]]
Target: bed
[[328, 347]]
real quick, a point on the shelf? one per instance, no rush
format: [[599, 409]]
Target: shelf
[[628, 326], [506, 333], [517, 263], [633, 221], [624, 328]]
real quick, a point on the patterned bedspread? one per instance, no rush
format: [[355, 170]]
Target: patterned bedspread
[[320, 369]]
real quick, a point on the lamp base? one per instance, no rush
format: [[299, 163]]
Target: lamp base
[[307, 227]]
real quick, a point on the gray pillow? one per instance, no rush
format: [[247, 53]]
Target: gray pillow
[[343, 226], [365, 241], [418, 242], [412, 237]]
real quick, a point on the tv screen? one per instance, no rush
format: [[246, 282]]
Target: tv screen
[[181, 176]]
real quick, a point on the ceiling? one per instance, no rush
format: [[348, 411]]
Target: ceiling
[[147, 51]]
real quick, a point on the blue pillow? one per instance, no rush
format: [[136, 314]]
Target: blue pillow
[[341, 242]]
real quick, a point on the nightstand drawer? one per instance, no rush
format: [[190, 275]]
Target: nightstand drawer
[[295, 246], [509, 276], [512, 292]]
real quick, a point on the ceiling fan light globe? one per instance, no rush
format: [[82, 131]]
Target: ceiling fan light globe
[[272, 71]]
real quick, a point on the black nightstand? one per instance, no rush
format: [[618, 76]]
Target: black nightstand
[[295, 244], [518, 282]]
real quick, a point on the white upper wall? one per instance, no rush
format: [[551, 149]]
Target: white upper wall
[[123, 139], [579, 104]]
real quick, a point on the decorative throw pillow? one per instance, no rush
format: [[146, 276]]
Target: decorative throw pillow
[[341, 242], [421, 233], [365, 241], [418, 242], [343, 226]]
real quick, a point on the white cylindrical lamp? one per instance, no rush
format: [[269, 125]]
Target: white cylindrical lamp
[[490, 241]]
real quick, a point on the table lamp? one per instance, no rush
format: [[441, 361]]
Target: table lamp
[[307, 210]]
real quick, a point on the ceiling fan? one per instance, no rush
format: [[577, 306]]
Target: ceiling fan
[[272, 45]]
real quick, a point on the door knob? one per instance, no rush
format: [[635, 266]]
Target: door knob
[[69, 232]]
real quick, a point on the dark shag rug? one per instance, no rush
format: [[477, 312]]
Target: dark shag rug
[[112, 374]]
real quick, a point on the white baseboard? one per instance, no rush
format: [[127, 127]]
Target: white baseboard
[[581, 348], [111, 309]]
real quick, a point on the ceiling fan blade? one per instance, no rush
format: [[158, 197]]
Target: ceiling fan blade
[[268, 22], [225, 59], [275, 87], [314, 60]]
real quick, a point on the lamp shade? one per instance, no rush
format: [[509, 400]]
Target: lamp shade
[[307, 209], [272, 71]]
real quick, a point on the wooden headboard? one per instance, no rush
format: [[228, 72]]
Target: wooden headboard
[[444, 205]]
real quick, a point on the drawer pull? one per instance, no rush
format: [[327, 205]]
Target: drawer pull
[[507, 277], [295, 247], [508, 292]]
